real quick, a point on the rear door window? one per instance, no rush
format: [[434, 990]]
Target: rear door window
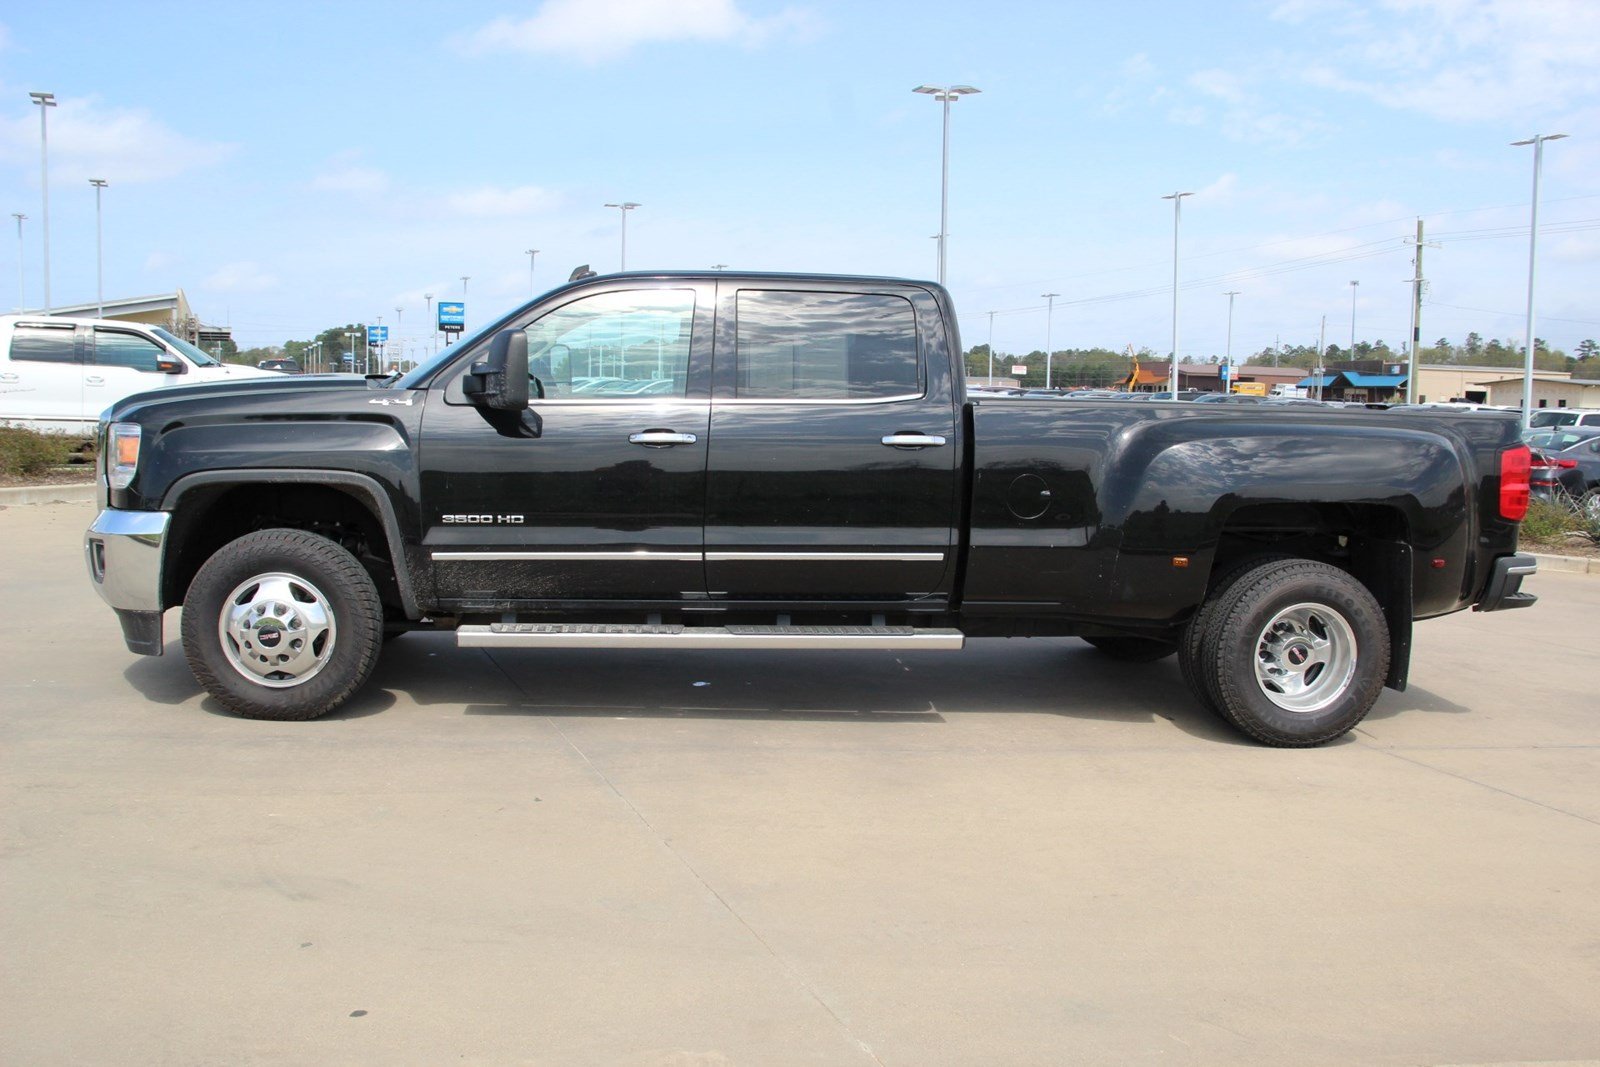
[[826, 346], [43, 344]]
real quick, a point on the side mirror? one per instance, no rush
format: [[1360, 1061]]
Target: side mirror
[[499, 381], [170, 365]]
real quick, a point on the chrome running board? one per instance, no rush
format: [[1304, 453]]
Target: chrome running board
[[624, 635]]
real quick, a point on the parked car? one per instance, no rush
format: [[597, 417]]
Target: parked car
[[1566, 462], [1554, 418], [57, 374], [282, 366]]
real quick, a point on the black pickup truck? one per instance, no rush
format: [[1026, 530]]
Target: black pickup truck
[[729, 461]]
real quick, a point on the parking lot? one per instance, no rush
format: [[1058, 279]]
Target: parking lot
[[1021, 853]]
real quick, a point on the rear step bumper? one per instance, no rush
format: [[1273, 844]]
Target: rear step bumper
[[621, 635]]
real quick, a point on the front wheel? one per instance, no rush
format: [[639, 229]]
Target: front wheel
[[282, 624], [1296, 653]]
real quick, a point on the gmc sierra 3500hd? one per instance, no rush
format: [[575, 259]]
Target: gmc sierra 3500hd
[[725, 461]]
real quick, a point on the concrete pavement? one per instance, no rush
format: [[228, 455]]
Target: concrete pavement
[[1021, 853]]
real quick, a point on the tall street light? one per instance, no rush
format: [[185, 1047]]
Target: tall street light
[[945, 94], [465, 278], [46, 101], [99, 248], [532, 254], [1228, 352], [1354, 285], [433, 327], [22, 302], [1049, 313], [1177, 217], [1537, 141], [625, 207], [353, 334]]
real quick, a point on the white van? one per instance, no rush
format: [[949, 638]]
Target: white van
[[58, 374]]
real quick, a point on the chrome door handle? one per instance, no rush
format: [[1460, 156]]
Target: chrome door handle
[[913, 440], [661, 438], [94, 379]]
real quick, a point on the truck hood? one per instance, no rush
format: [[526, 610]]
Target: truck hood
[[258, 392]]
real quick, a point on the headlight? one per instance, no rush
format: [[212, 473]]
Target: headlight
[[124, 459]]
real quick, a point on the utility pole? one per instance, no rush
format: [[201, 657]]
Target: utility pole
[[22, 301], [991, 348], [1322, 346], [433, 327], [99, 248], [1177, 217], [1228, 356], [532, 254], [1416, 318], [1050, 310], [46, 101]]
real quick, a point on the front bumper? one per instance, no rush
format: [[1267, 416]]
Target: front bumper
[[1505, 584], [124, 552]]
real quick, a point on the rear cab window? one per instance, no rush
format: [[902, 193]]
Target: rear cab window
[[43, 344], [817, 346]]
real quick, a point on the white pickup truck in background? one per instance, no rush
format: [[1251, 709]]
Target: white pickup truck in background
[[58, 374]]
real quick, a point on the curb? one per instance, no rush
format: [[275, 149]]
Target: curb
[[1568, 564], [82, 493]]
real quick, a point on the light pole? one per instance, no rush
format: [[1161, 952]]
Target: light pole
[[465, 278], [945, 94], [1177, 217], [719, 266], [1228, 352], [1353, 287], [532, 253], [46, 101], [1537, 141], [991, 348], [353, 334], [625, 207], [1049, 313], [433, 327], [22, 302], [99, 249]]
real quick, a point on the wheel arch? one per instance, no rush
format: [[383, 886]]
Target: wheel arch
[[1370, 541], [211, 508]]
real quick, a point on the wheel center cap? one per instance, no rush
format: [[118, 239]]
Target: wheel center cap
[[1297, 655], [269, 636]]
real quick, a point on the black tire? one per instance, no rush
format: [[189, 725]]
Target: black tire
[[300, 642], [1200, 624], [1133, 649], [1294, 653]]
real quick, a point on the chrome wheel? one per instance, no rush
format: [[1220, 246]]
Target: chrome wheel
[[1305, 658], [277, 630]]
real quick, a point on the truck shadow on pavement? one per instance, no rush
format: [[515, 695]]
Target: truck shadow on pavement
[[1051, 676]]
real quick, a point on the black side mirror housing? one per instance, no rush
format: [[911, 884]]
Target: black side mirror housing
[[170, 365], [499, 381]]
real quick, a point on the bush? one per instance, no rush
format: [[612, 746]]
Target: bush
[[1563, 521], [26, 453]]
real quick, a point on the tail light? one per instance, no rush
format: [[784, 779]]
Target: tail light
[[1515, 467]]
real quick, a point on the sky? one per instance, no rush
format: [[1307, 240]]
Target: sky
[[317, 164]]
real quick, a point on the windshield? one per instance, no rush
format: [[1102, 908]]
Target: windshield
[[199, 355]]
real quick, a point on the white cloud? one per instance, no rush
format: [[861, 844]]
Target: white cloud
[[351, 179], [241, 277], [1221, 84], [494, 202], [1222, 189], [595, 30], [1463, 60], [91, 140]]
